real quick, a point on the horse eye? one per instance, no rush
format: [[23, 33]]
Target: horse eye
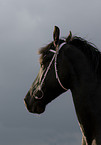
[[52, 46], [42, 65]]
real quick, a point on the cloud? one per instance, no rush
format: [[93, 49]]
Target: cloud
[[25, 26], [25, 136]]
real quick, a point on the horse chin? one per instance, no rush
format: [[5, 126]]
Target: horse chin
[[38, 109]]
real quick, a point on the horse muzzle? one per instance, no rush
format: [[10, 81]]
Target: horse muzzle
[[33, 103]]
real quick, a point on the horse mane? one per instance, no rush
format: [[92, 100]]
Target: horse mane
[[90, 51], [44, 52]]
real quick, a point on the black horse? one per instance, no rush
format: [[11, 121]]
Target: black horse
[[75, 64]]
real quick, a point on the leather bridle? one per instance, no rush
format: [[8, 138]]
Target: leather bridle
[[56, 52]]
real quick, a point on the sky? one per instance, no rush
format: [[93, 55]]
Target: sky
[[25, 26]]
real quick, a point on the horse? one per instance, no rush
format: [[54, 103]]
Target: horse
[[70, 63]]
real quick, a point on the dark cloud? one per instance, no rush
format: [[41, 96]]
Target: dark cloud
[[25, 26]]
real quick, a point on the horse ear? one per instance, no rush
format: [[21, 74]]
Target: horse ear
[[69, 37], [56, 34]]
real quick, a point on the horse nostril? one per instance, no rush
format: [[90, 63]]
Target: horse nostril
[[26, 103]]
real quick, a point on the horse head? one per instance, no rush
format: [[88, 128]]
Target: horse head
[[53, 76]]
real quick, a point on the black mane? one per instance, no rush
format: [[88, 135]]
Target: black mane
[[91, 52], [44, 52]]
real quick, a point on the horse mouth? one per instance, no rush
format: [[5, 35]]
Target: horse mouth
[[35, 108]]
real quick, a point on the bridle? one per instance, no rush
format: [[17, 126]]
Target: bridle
[[56, 52]]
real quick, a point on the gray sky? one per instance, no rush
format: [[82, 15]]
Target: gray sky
[[25, 26]]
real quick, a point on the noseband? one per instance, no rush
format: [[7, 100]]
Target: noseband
[[58, 47]]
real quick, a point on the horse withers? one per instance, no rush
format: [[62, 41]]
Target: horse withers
[[75, 64]]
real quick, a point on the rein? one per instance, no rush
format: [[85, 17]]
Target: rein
[[56, 71]]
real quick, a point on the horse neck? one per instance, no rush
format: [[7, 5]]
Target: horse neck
[[80, 70], [85, 90]]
